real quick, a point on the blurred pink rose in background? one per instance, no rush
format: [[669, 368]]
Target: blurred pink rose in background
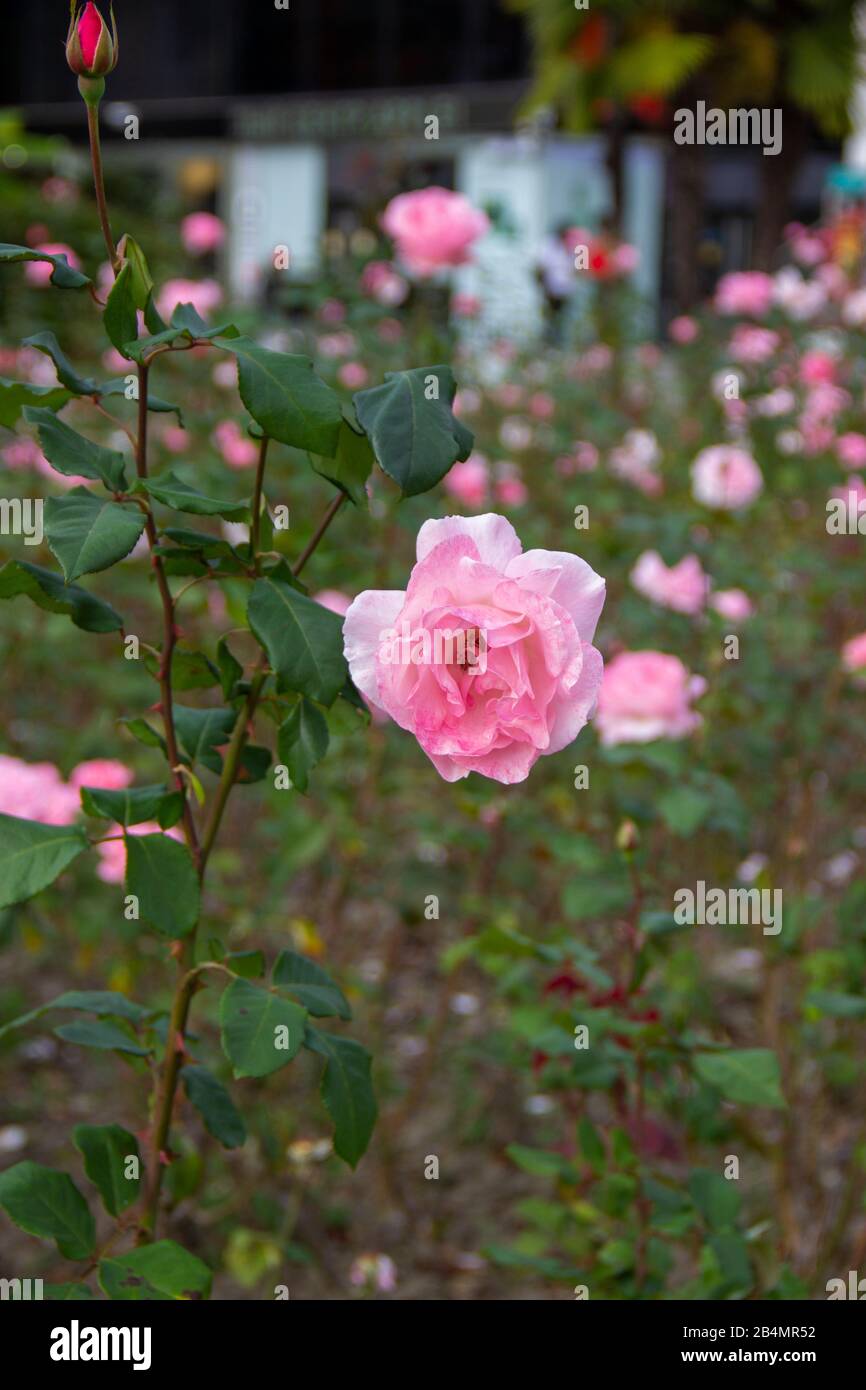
[[851, 449], [854, 653], [384, 283], [509, 489], [683, 329], [203, 295], [105, 773], [36, 791], [335, 600], [817, 368], [751, 343], [468, 481], [647, 695], [353, 375], [433, 228], [532, 615], [238, 450], [39, 272], [734, 605], [202, 232], [726, 476], [747, 292], [682, 587], [466, 306]]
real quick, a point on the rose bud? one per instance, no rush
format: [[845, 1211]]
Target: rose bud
[[91, 48]]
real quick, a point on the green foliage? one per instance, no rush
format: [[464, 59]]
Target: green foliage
[[409, 422], [32, 855]]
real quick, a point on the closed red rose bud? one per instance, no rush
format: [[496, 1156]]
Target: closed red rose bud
[[91, 47]]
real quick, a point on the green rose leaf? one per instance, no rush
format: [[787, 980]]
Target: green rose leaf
[[347, 1091], [230, 669], [202, 731], [105, 1150], [107, 1037], [283, 394], [144, 733], [32, 855], [303, 742], [93, 1001], [260, 1031], [161, 874], [15, 395], [352, 464], [409, 422], [132, 805], [66, 374], [303, 640], [47, 590], [63, 276], [120, 317], [65, 1293], [715, 1197], [312, 985], [73, 455], [45, 1202], [748, 1075], [189, 670], [215, 1105], [88, 533], [161, 1271], [173, 492]]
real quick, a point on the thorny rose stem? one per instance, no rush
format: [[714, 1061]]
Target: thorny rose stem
[[187, 981], [166, 1084]]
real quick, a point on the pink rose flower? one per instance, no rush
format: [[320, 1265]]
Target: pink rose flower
[[203, 295], [750, 343], [466, 306], [683, 329], [332, 311], [542, 405], [526, 677], [732, 604], [36, 791], [625, 259], [39, 272], [851, 449], [202, 232], [105, 773], [468, 481], [353, 375], [854, 654], [726, 476], [238, 450], [384, 283], [817, 369], [647, 695], [176, 439], [334, 600], [509, 489], [682, 587], [747, 292], [433, 228]]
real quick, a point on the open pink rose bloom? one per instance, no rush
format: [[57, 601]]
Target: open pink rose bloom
[[486, 657]]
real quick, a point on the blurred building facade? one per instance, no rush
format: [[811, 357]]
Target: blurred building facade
[[292, 118]]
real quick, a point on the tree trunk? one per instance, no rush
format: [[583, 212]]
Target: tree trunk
[[778, 175], [687, 223]]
